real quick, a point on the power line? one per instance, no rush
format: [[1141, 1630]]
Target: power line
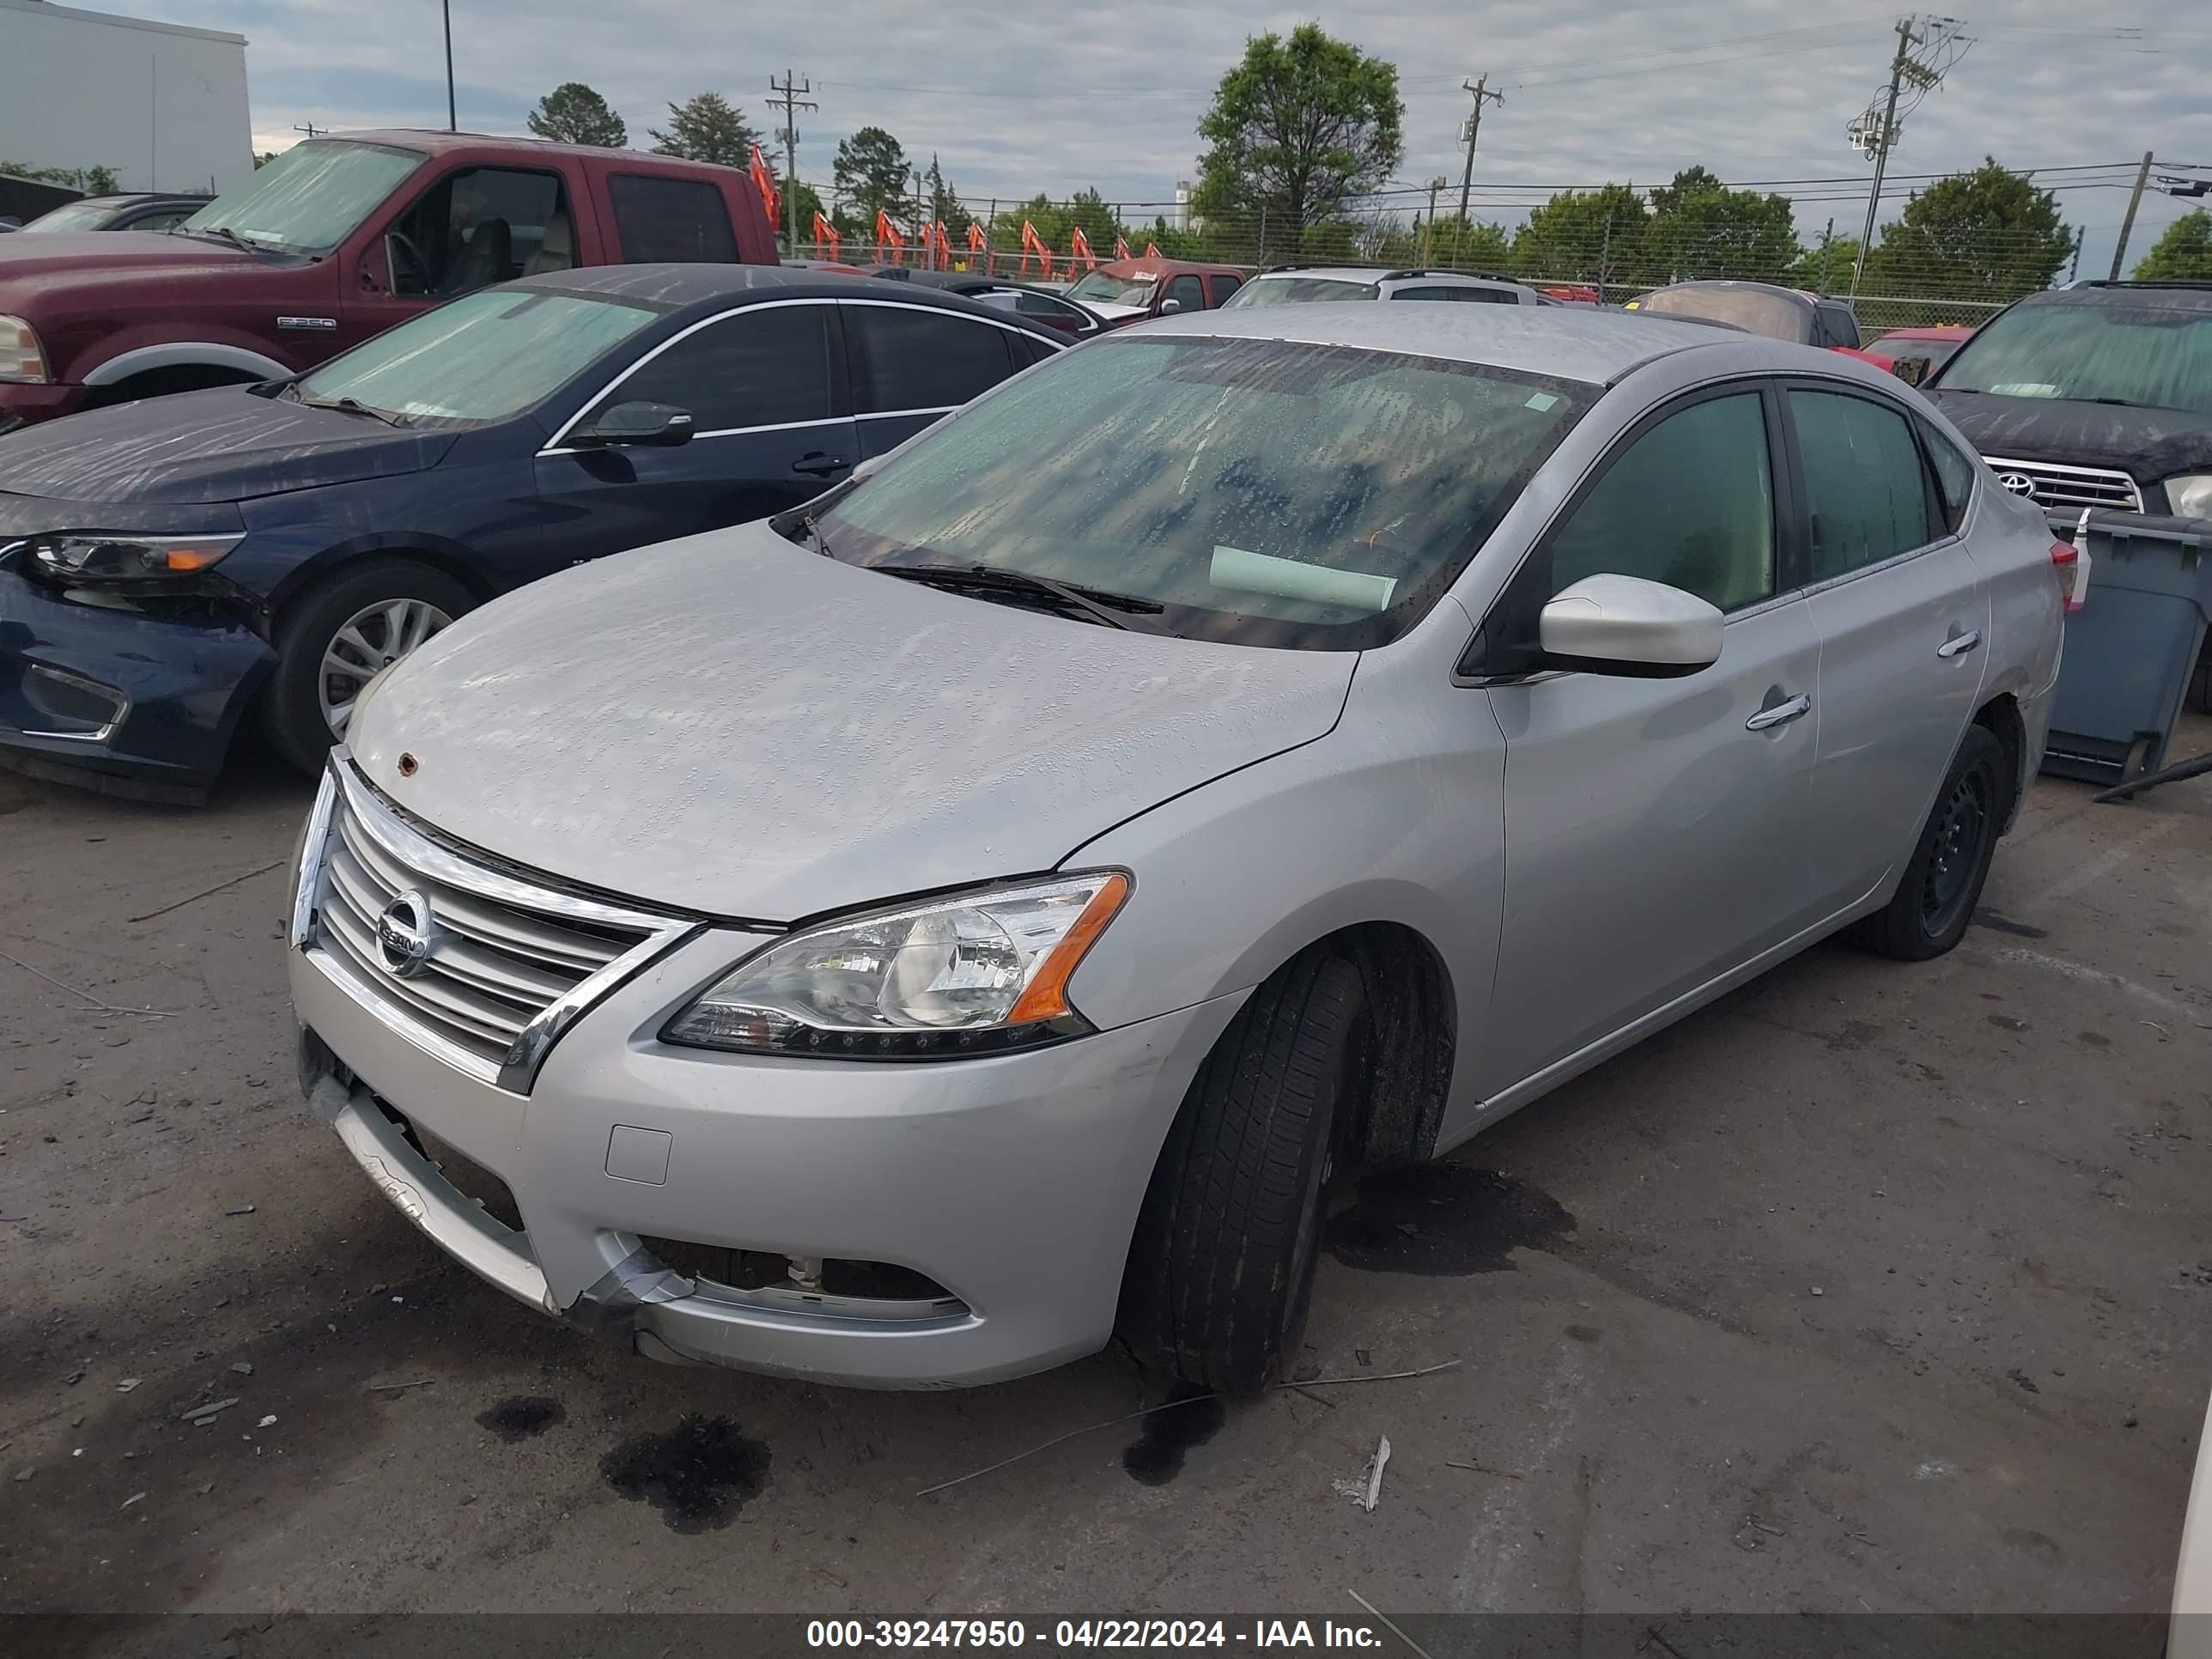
[[1473, 130], [789, 98]]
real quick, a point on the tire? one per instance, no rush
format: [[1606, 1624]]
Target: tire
[[1221, 1268], [2199, 699], [1934, 901], [294, 714]]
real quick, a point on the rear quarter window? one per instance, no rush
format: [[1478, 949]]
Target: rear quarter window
[[678, 221]]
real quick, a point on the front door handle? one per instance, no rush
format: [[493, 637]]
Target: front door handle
[[1780, 713], [1959, 644], [820, 465]]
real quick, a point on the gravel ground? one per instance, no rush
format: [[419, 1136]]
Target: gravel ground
[[1874, 1286]]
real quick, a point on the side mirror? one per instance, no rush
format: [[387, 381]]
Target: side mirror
[[636, 425], [1169, 308], [868, 466], [1626, 626]]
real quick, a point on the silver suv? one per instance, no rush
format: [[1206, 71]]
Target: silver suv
[[1299, 285], [904, 941]]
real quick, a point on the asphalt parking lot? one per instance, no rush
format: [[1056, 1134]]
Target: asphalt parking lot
[[1875, 1287]]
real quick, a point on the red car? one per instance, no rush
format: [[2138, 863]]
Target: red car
[[332, 242], [1913, 354], [1124, 291]]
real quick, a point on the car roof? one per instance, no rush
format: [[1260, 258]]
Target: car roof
[[1737, 285], [434, 140], [1597, 347], [1387, 273], [680, 286], [2146, 296], [1146, 269]]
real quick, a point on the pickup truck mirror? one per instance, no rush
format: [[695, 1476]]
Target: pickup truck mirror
[[637, 425], [1169, 308]]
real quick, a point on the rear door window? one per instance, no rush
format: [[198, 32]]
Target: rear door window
[[1224, 284], [1866, 493], [1954, 474], [676, 220], [910, 358], [764, 366]]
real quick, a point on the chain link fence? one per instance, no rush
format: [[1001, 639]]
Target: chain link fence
[[1908, 282]]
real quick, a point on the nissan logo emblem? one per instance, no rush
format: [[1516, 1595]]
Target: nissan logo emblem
[[406, 933], [2017, 483]]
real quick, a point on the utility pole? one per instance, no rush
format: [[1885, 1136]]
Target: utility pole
[[1429, 242], [452, 122], [1474, 129], [2128, 224], [791, 103], [1876, 134]]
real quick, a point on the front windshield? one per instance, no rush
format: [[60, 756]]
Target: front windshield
[[308, 198], [1777, 316], [1260, 491], [1296, 291], [2156, 356], [1110, 290], [88, 215], [482, 357]]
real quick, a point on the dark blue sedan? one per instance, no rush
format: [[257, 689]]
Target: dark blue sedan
[[166, 566]]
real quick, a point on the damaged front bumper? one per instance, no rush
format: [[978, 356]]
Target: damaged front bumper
[[992, 1198], [127, 697]]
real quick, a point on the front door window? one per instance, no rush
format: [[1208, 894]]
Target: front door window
[[478, 226]]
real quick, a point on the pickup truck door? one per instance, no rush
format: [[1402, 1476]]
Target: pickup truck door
[[465, 228], [765, 387]]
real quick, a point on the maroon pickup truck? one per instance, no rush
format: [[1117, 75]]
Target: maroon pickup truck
[[336, 240]]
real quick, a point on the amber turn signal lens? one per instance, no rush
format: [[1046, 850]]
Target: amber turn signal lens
[[1047, 995]]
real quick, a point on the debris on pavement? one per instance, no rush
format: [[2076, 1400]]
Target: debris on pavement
[[244, 1209], [1483, 1468], [243, 1367], [2023, 1379], [267, 1422], [1367, 1491], [135, 1498], [394, 1387], [128, 1383], [202, 1416]]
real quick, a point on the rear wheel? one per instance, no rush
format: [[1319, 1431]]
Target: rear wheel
[[2200, 682], [340, 636], [1942, 884], [1221, 1268]]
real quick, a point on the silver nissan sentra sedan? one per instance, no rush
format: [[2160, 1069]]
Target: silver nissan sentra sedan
[[905, 942]]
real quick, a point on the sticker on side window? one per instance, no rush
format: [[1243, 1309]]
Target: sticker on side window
[[1542, 402]]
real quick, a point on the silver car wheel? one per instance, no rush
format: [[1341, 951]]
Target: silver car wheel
[[372, 639]]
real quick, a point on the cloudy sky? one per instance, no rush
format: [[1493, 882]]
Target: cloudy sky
[[1056, 97]]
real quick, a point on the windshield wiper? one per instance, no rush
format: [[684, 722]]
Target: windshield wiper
[[1111, 609], [223, 231], [349, 406]]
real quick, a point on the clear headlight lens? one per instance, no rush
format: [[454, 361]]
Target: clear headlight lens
[[21, 358], [2191, 495], [945, 979], [96, 555]]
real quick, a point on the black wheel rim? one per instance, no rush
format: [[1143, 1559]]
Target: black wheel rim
[[1961, 821]]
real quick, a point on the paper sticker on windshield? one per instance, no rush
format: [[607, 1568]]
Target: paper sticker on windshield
[[1542, 402], [2025, 389]]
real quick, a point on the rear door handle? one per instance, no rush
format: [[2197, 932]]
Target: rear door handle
[[1780, 714], [820, 465], [1959, 644]]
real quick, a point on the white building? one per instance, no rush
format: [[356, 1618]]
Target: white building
[[163, 106]]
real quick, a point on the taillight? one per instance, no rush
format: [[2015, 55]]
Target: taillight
[[2071, 565]]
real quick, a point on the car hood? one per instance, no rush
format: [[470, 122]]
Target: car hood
[[222, 445], [139, 251], [1112, 313], [732, 725], [2148, 444]]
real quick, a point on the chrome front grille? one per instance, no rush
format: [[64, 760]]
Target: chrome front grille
[[2054, 487], [506, 962]]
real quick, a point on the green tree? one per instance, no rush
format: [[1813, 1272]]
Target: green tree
[[1586, 236], [1466, 245], [1701, 227], [1296, 127], [707, 128], [808, 203], [1824, 267], [1988, 235], [264, 159], [92, 180], [2184, 254], [573, 114], [871, 177], [945, 207]]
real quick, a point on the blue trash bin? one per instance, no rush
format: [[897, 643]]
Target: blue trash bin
[[2132, 648]]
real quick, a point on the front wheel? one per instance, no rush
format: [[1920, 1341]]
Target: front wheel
[[1943, 883], [1222, 1266], [340, 636]]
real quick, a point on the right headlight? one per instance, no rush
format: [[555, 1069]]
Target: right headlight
[[2190, 496], [21, 357], [975, 974]]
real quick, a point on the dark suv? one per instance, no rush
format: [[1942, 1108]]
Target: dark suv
[[2099, 395]]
